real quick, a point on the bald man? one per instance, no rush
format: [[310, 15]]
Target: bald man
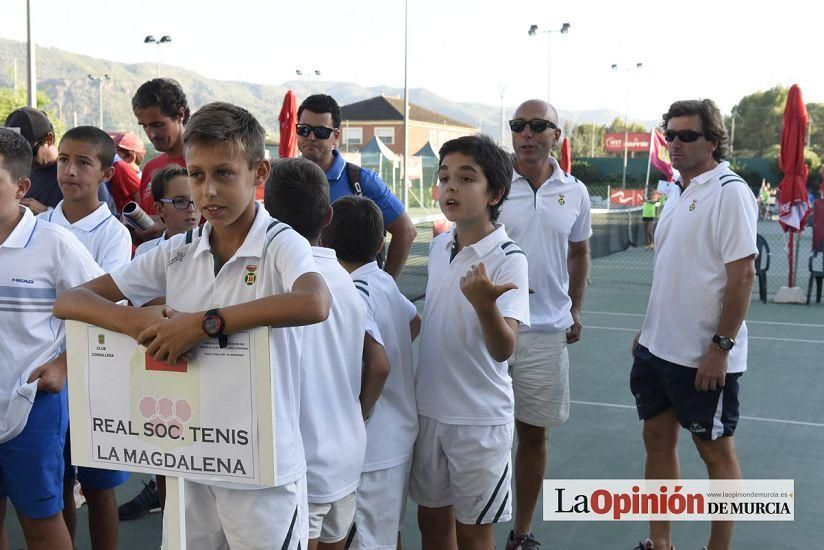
[[547, 215]]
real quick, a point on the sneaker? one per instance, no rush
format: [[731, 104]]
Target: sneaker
[[79, 498], [524, 541], [146, 502], [647, 544]]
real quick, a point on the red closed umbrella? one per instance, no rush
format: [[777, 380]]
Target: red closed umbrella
[[793, 205], [288, 118], [566, 156]]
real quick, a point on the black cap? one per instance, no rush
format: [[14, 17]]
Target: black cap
[[33, 124]]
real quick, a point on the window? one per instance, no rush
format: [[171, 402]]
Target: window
[[386, 135], [352, 136]]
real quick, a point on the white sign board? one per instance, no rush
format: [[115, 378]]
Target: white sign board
[[209, 419]]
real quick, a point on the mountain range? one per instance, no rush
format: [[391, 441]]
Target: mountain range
[[65, 78]]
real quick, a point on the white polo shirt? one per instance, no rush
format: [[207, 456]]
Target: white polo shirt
[[393, 425], [331, 367], [106, 238], [458, 381], [184, 273], [142, 248], [38, 261], [712, 223], [543, 222]]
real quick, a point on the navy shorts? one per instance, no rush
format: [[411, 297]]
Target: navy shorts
[[91, 478], [31, 464], [659, 385]]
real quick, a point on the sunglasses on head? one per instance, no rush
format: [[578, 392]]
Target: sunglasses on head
[[686, 136], [321, 132], [536, 125]]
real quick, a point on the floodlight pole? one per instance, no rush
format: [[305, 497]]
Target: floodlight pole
[[405, 102], [533, 30], [32, 87], [616, 67], [100, 80], [165, 39]]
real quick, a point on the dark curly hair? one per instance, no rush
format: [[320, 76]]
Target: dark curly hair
[[712, 123], [163, 93]]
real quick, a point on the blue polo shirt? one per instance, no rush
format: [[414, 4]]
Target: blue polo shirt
[[371, 183]]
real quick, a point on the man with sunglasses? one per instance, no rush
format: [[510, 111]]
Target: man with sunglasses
[[44, 193], [318, 132], [547, 214], [692, 348]]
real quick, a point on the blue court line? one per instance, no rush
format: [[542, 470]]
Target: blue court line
[[758, 418], [749, 321]]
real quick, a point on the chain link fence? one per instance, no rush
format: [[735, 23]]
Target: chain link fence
[[619, 254]]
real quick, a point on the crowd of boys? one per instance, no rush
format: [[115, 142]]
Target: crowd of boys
[[358, 427]]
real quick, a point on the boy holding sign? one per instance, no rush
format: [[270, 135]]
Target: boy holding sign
[[204, 273]]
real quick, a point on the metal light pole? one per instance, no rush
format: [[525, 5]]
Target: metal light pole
[[405, 178], [165, 39], [32, 88], [533, 30], [100, 80], [615, 67]]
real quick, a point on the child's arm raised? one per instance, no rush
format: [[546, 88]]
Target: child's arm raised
[[500, 333], [307, 303], [95, 302], [375, 372]]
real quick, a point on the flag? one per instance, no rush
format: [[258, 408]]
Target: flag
[[659, 155]]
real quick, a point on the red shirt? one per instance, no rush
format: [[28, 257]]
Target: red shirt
[[123, 184], [161, 160]]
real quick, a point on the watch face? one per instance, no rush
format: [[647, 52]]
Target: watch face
[[211, 325], [725, 343]]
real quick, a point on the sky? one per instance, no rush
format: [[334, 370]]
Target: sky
[[464, 50]]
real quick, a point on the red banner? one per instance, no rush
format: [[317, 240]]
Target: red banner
[[637, 142], [627, 197]]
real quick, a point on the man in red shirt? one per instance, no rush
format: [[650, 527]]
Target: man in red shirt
[[162, 111], [124, 184]]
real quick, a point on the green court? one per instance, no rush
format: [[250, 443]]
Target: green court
[[780, 434]]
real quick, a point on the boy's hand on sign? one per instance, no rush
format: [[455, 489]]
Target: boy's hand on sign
[[479, 290], [174, 338], [141, 318], [51, 375]]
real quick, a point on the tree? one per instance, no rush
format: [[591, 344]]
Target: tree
[[588, 140], [758, 119], [9, 101]]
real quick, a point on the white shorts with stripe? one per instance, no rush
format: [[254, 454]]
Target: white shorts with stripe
[[381, 504], [467, 467]]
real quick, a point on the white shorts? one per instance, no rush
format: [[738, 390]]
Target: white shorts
[[220, 519], [540, 378], [467, 467], [381, 506], [330, 522]]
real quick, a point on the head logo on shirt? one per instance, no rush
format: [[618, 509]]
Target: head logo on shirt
[[692, 206], [251, 275], [561, 200]]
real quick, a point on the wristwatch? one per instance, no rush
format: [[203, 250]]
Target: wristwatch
[[213, 324], [724, 343]]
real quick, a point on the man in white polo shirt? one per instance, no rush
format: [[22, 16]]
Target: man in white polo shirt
[[693, 345], [547, 214]]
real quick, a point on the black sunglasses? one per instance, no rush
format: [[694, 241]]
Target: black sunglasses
[[686, 136], [321, 132], [536, 125], [179, 203]]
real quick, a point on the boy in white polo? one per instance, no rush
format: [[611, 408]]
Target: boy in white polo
[[84, 162], [331, 373], [356, 234], [173, 203], [692, 348], [476, 296], [547, 213], [38, 261], [205, 272]]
